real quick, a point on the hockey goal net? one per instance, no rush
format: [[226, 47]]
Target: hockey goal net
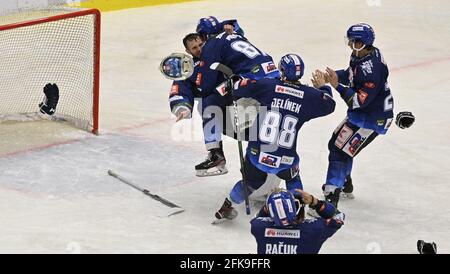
[[56, 45]]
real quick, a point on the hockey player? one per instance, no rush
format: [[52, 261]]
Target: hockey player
[[236, 52], [364, 88], [183, 93], [280, 227], [181, 100], [286, 106]]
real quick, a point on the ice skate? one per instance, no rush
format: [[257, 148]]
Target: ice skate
[[347, 191], [213, 165], [333, 197], [226, 212]]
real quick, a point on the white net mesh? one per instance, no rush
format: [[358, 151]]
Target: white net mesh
[[60, 52]]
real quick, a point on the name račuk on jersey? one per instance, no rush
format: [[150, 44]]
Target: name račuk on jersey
[[281, 247]]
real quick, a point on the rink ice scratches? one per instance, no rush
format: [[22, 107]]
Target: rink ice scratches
[[79, 167], [421, 64]]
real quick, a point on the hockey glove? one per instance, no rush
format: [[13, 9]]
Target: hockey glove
[[48, 105], [230, 84], [426, 248], [404, 119]]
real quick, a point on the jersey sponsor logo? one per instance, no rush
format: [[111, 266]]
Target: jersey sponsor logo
[[344, 134], [354, 144], [255, 69], [352, 147], [380, 122], [221, 89], [281, 248], [254, 150], [287, 160], [269, 160], [362, 96], [289, 91], [198, 81], [369, 85], [174, 90], [282, 233], [175, 98], [268, 67]]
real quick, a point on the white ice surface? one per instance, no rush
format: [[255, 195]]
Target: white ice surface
[[56, 196]]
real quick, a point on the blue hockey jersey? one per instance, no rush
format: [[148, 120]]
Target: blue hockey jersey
[[183, 92], [368, 95], [304, 238], [288, 107], [237, 53]]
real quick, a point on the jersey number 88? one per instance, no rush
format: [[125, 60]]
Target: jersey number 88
[[269, 129]]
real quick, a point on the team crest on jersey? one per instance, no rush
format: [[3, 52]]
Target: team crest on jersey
[[174, 90], [269, 160], [367, 67], [282, 233], [289, 91]]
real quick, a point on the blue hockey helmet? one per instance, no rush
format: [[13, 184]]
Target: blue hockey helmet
[[209, 26], [291, 67], [283, 207], [361, 33], [177, 66]]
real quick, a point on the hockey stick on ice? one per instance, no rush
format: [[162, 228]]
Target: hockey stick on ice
[[228, 72], [146, 192]]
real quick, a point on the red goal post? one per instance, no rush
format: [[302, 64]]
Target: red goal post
[[55, 45]]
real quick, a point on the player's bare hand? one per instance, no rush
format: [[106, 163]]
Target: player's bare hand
[[318, 79], [228, 28], [332, 77], [306, 197], [183, 115], [327, 77]]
